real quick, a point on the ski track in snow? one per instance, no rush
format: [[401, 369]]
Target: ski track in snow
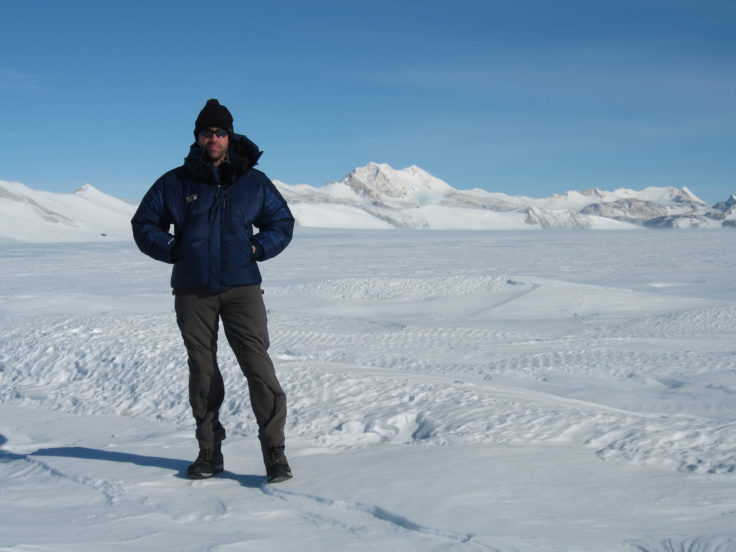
[[36, 469], [693, 544], [373, 511], [641, 377]]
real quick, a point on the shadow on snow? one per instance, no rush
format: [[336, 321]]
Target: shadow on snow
[[85, 453]]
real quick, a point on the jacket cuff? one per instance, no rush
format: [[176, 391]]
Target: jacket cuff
[[173, 251], [258, 253]]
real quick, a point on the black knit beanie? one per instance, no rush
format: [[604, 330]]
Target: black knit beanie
[[213, 115]]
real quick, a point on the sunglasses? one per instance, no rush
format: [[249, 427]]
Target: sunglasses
[[207, 133]]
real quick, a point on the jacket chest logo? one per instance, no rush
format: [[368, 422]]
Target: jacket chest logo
[[192, 198]]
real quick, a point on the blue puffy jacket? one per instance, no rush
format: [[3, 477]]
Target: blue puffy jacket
[[213, 213]]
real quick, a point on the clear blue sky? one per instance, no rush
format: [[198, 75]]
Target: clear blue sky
[[522, 97]]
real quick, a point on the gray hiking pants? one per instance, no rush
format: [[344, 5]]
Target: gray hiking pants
[[243, 316]]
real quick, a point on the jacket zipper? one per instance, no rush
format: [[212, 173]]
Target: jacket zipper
[[214, 201]]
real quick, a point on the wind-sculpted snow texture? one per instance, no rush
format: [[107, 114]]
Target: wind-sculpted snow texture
[[564, 391]]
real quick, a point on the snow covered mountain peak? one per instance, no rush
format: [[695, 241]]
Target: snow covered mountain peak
[[727, 204], [590, 193], [728, 208], [663, 195], [684, 195], [411, 186], [86, 215], [87, 189]]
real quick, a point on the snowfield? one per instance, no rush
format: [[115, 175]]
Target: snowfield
[[448, 390]]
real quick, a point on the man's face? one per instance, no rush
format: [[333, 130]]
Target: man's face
[[214, 146]]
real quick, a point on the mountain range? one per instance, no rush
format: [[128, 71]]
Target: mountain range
[[379, 196]]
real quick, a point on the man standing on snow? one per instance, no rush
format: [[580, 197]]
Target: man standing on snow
[[213, 201]]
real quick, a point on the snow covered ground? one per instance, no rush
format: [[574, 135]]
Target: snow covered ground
[[509, 391]]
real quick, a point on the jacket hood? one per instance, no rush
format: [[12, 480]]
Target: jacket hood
[[243, 155]]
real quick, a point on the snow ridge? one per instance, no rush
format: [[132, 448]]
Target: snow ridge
[[87, 215]]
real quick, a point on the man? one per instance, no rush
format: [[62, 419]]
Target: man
[[213, 201]]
